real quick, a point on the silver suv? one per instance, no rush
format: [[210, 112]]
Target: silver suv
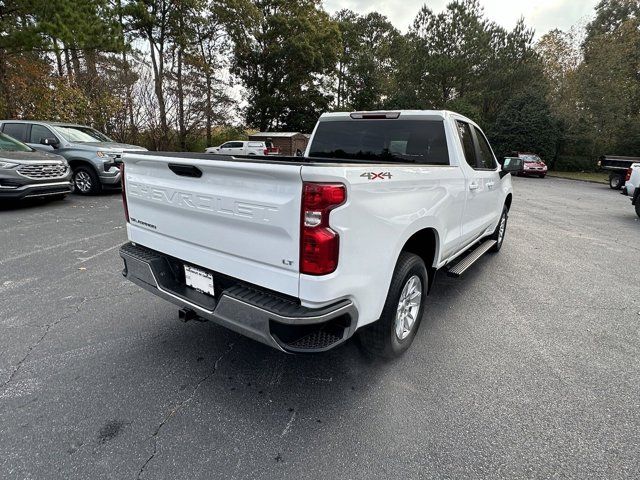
[[91, 154], [26, 173]]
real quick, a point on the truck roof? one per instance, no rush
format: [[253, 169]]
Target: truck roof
[[391, 114]]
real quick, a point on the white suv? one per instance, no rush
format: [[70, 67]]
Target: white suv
[[239, 147]]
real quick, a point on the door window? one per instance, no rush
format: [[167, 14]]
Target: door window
[[487, 160], [464, 131], [226, 145], [38, 132], [236, 145], [16, 130]]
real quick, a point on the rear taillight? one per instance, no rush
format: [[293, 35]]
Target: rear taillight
[[319, 244], [629, 170], [266, 152], [124, 193]]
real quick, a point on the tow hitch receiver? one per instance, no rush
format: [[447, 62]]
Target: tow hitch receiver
[[186, 314]]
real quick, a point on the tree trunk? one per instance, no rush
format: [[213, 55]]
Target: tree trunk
[[56, 50], [157, 82], [182, 130], [4, 86], [76, 64], [340, 73], [67, 64], [209, 112]]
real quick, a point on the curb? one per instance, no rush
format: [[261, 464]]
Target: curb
[[577, 179]]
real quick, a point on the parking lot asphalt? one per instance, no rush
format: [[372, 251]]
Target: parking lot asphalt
[[527, 366]]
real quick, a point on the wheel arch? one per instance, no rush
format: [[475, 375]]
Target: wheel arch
[[507, 201], [424, 243], [81, 162]]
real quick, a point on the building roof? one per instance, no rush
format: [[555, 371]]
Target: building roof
[[275, 134]]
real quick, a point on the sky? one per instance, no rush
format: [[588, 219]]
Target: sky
[[542, 15]]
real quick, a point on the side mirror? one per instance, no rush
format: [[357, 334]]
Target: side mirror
[[52, 142], [511, 165]]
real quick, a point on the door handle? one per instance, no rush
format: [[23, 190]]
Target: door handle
[[473, 186], [490, 185]]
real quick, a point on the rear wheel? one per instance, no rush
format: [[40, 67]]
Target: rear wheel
[[393, 333], [638, 206], [86, 181], [542, 176], [615, 181]]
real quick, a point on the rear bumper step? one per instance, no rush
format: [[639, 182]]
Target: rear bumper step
[[264, 316]]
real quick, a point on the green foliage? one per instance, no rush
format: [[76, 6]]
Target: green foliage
[[525, 124], [161, 72], [459, 58], [86, 25], [576, 163], [283, 51], [366, 63]]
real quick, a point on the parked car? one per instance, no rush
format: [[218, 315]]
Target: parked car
[[533, 165], [632, 185], [91, 154], [617, 167], [240, 147], [27, 173], [300, 254]]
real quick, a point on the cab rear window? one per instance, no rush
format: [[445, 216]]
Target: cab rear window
[[393, 140]]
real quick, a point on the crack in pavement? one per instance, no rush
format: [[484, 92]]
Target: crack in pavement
[[178, 407], [32, 347]]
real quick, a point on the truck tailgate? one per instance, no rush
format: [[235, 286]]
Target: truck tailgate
[[238, 218]]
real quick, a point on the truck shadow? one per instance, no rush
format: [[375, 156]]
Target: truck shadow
[[30, 203]]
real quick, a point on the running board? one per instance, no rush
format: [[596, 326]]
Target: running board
[[464, 264]]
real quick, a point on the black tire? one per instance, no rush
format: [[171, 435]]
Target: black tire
[[615, 181], [380, 338], [496, 234], [542, 176], [638, 207], [86, 181]]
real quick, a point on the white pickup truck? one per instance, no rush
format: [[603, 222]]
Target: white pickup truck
[[632, 185], [300, 253], [240, 147]]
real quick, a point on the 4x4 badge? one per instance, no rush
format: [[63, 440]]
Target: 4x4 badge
[[376, 176]]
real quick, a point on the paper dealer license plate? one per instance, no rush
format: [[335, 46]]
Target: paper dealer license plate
[[198, 279]]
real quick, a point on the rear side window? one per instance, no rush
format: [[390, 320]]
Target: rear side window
[[392, 140], [38, 132], [487, 160], [464, 131], [16, 130]]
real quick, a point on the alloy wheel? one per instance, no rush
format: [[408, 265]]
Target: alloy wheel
[[83, 181], [408, 307]]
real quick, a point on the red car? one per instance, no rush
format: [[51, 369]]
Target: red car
[[533, 165]]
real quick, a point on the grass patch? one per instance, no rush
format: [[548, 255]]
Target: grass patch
[[598, 177]]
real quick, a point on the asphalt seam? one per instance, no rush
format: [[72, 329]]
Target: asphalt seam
[[178, 407], [48, 328]]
